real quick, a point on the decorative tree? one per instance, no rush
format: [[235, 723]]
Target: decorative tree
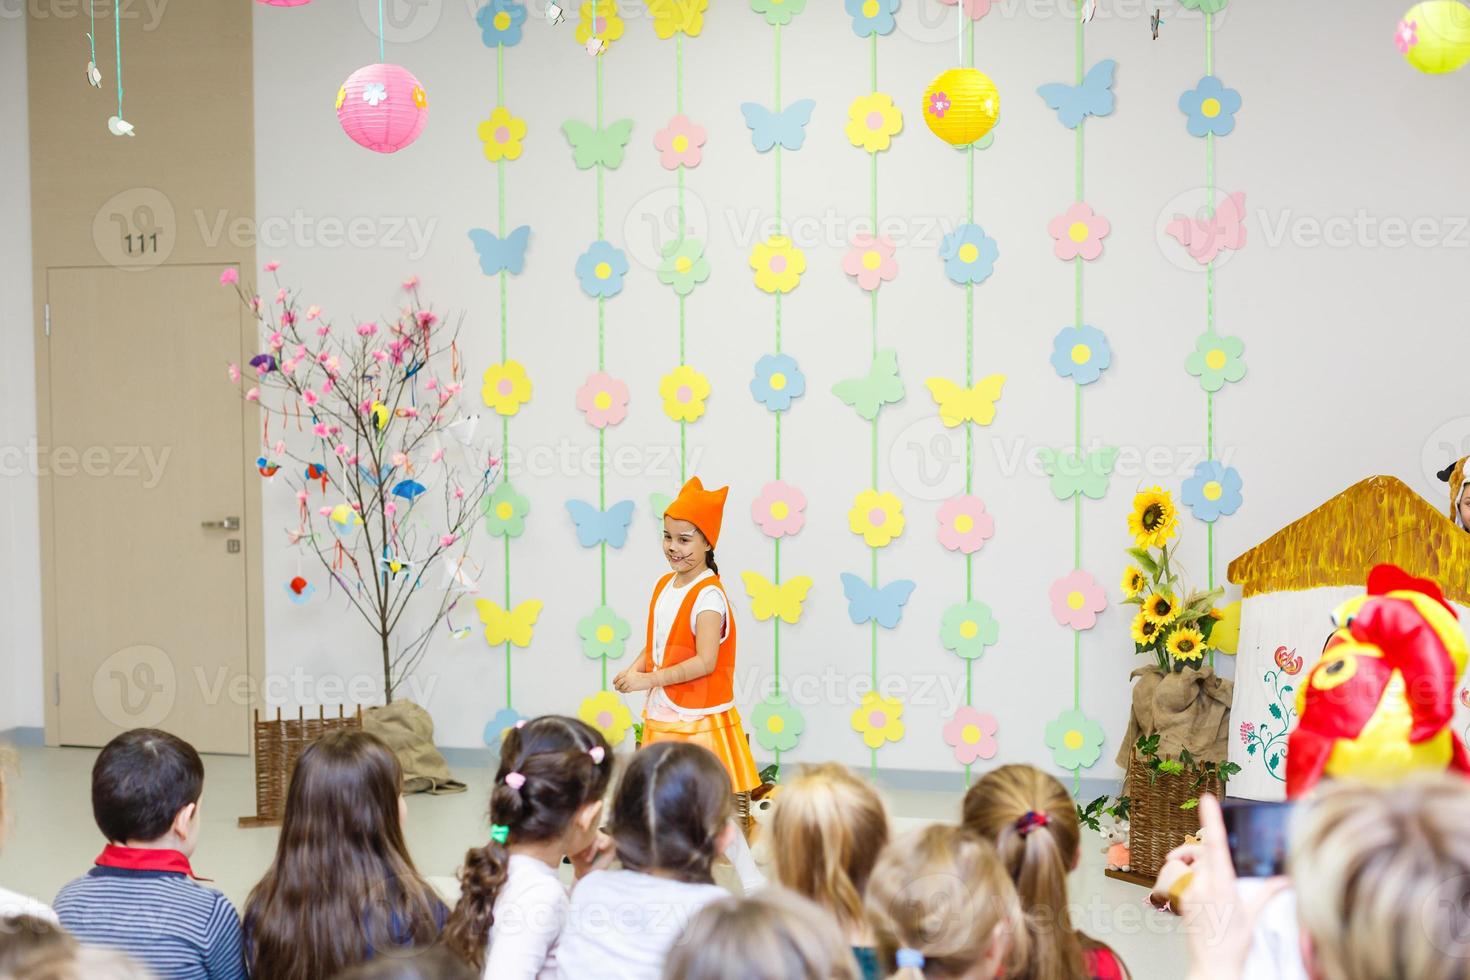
[[366, 418]]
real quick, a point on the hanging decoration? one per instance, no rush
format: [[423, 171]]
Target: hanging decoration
[[1434, 36], [116, 125], [383, 107]]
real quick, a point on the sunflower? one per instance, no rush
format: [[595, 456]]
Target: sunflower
[[1186, 644], [1145, 632], [1133, 581], [1161, 608], [1154, 518]]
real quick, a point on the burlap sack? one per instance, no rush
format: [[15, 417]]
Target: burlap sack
[[409, 732], [1189, 710]]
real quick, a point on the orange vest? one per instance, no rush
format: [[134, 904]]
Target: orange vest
[[713, 689]]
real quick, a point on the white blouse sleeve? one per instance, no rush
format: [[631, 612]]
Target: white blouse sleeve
[[711, 599], [525, 931]]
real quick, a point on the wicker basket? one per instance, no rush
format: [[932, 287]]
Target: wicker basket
[[1156, 824], [279, 742]]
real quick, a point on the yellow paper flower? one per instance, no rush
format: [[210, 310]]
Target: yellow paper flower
[[1133, 581], [778, 264], [608, 27], [1154, 518], [1187, 644], [879, 720], [873, 121], [1161, 608], [671, 16], [502, 134], [878, 517], [606, 712], [1145, 631], [507, 387], [684, 391]]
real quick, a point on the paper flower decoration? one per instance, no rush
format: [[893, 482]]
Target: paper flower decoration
[[1406, 36], [606, 712], [1153, 520], [684, 265], [777, 381], [1081, 353], [1074, 739], [873, 121], [500, 22], [769, 600], [879, 720], [382, 107], [778, 264], [871, 17], [299, 590], [1186, 644], [502, 134], [972, 735], [603, 399], [513, 626], [606, 25], [961, 105], [1079, 232], [1070, 475], [680, 141], [779, 510], [1213, 492], [505, 512], [505, 719], [506, 388], [1210, 107], [968, 254], [1207, 238], [878, 517], [967, 628], [229, 277], [778, 725], [601, 269], [1434, 36], [684, 391], [1076, 599], [964, 525], [1205, 6], [778, 12], [880, 386], [603, 633], [870, 260], [1216, 360], [673, 16]]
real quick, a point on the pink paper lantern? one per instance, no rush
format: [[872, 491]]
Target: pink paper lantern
[[382, 107]]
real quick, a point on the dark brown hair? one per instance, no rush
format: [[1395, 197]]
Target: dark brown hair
[[342, 887], [140, 782], [671, 806], [563, 773], [433, 963]]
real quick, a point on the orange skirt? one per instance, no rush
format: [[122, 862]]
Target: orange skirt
[[721, 733]]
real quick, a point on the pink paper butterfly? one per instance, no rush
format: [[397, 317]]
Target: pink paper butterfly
[[1208, 238]]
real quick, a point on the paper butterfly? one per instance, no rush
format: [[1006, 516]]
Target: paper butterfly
[[884, 606], [408, 490], [787, 127], [595, 526], [498, 254], [974, 404], [1071, 476], [594, 147], [366, 472], [464, 430], [459, 578], [882, 386], [395, 568], [1207, 239], [782, 600], [503, 627], [1094, 97]]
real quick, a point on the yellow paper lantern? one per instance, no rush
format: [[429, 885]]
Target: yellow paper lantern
[[1435, 36], [961, 105]]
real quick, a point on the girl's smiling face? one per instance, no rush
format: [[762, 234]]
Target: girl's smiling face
[[1464, 507], [684, 546]]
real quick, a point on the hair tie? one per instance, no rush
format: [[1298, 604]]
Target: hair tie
[[520, 724], [598, 753], [909, 959], [515, 780], [1030, 821], [499, 832]]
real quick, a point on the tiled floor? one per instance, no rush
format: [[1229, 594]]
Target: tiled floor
[[52, 838]]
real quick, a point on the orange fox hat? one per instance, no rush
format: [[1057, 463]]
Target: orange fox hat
[[700, 507]]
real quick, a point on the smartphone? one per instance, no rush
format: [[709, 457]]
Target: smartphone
[[1257, 833]]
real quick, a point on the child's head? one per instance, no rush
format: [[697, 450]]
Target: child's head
[[828, 830], [146, 786], [73, 962], [692, 527], [941, 905], [25, 939], [430, 963], [549, 788], [686, 548], [774, 935], [671, 812]]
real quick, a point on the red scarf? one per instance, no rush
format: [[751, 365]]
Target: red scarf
[[145, 859]]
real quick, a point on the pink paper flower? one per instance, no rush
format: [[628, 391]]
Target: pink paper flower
[[438, 455], [324, 511], [411, 282], [458, 493], [603, 399], [366, 329], [779, 510], [972, 734], [319, 430], [1406, 36], [280, 446], [309, 397], [938, 104], [427, 319], [235, 373], [679, 143], [272, 266], [276, 341], [870, 260], [1076, 599], [1079, 231], [313, 311], [342, 450], [281, 295], [445, 540], [400, 459], [287, 318], [974, 9], [229, 277], [253, 395], [323, 330], [964, 525]]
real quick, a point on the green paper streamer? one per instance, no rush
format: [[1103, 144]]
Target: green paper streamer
[[117, 44]]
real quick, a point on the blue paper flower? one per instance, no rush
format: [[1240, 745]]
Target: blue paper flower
[[969, 254], [1081, 353], [601, 269], [777, 381], [1211, 107], [504, 720], [1213, 491], [500, 22], [871, 17]]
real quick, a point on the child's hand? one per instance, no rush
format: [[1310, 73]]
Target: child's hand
[[632, 680], [595, 857]]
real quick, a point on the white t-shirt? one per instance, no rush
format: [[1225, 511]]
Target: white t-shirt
[[1276, 952], [530, 913], [623, 924], [665, 611], [13, 905]]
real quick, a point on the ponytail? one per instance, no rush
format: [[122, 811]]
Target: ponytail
[[709, 561], [480, 880]]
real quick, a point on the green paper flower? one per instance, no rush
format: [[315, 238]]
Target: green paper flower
[[967, 628], [1216, 360], [603, 633], [1205, 6], [778, 725], [1075, 740], [778, 12], [684, 265], [505, 512], [1070, 476]]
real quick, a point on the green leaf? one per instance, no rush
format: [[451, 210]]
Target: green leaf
[[1145, 561], [1190, 803], [771, 773], [1171, 766]]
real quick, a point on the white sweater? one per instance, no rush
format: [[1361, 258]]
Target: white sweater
[[530, 912], [623, 924]]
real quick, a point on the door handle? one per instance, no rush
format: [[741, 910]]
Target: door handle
[[227, 524]]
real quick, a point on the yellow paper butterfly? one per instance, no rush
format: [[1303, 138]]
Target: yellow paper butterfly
[[503, 627], [975, 404], [782, 600]]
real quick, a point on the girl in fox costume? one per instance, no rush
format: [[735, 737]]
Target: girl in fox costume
[[1457, 475]]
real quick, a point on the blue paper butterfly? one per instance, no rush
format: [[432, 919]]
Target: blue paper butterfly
[[375, 479], [787, 127], [885, 605], [597, 526], [497, 254], [1094, 97]]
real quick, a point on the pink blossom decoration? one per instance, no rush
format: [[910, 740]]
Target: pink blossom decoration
[[411, 282], [280, 445], [400, 459], [779, 510], [1407, 35], [324, 511], [870, 260], [272, 266], [603, 399], [366, 329], [679, 143], [390, 508], [445, 540], [253, 395], [972, 734], [342, 450], [319, 430], [229, 277], [459, 493], [438, 455], [938, 104], [1076, 599], [1079, 232], [964, 525], [309, 397], [313, 311], [235, 373], [974, 9], [281, 295], [276, 341]]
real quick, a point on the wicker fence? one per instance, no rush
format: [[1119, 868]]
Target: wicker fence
[[279, 742]]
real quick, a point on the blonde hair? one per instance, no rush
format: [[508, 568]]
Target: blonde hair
[[828, 830], [1383, 879], [942, 893], [774, 935], [81, 963]]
